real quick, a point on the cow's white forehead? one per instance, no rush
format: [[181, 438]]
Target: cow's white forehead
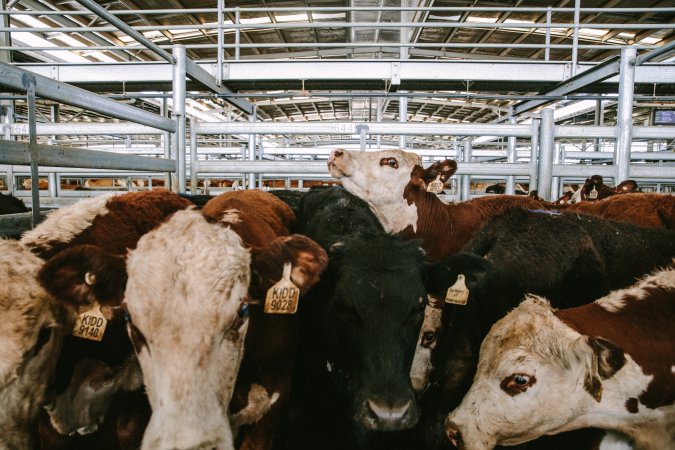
[[404, 158], [65, 223], [184, 266]]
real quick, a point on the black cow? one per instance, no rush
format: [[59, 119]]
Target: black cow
[[11, 205], [570, 259], [359, 329]]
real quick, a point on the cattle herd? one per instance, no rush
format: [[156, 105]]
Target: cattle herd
[[368, 316]]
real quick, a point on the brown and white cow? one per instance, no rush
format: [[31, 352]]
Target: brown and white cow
[[642, 209], [595, 189], [264, 223], [394, 184], [609, 364], [31, 333], [94, 183]]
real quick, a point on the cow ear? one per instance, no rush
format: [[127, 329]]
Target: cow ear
[[307, 258], [602, 359], [441, 275], [85, 274], [442, 170]]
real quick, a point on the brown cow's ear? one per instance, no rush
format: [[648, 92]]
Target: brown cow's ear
[[306, 256], [610, 358], [85, 274], [442, 169]]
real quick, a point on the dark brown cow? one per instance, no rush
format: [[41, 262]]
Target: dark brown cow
[[394, 184], [264, 222], [595, 189]]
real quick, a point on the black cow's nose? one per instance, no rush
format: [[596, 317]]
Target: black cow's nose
[[452, 431], [337, 153], [389, 417]]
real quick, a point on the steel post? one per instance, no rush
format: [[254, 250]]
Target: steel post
[[546, 149], [29, 84], [251, 151], [219, 61], [402, 118], [534, 153], [624, 121], [511, 157], [179, 73], [194, 164], [575, 37], [555, 184], [466, 179], [166, 141]]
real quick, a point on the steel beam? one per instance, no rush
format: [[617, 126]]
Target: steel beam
[[466, 179], [12, 152], [624, 115], [199, 74], [546, 149], [82, 129], [12, 77], [179, 89]]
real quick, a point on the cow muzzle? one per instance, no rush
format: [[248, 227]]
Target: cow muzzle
[[383, 416]]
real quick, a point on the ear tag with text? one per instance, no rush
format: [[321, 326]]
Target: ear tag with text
[[90, 324], [593, 194], [458, 293], [436, 186], [282, 298]]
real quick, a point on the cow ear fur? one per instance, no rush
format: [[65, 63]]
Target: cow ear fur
[[85, 274], [267, 264], [602, 359], [445, 169]]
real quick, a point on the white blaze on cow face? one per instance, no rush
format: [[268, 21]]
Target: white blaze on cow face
[[380, 179], [63, 224], [426, 343], [31, 333], [187, 281], [535, 377]]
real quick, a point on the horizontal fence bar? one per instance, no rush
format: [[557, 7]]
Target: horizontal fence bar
[[654, 132], [640, 156], [51, 155], [81, 128], [14, 77]]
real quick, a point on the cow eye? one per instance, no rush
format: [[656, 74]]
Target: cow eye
[[428, 338], [517, 383], [243, 310], [393, 163]]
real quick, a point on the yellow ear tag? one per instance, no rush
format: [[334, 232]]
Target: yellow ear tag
[[90, 324], [458, 293], [282, 298], [593, 194], [436, 186]]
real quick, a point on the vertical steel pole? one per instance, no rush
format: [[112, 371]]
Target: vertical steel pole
[[166, 141], [403, 34], [466, 179], [598, 120], [546, 149], [555, 184], [179, 112], [402, 117], [219, 79], [624, 116], [575, 37], [379, 120], [237, 34], [547, 51], [534, 153], [251, 150], [29, 84], [511, 158], [194, 164], [52, 177]]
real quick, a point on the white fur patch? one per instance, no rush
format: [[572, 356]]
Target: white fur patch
[[614, 441], [421, 367], [231, 216], [616, 300], [65, 223]]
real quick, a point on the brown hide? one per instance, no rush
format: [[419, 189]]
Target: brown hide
[[129, 217], [642, 209], [643, 329], [446, 228], [263, 222]]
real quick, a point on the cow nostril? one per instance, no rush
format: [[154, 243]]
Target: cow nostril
[[453, 433], [388, 413]]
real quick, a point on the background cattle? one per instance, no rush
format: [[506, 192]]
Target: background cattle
[[359, 329], [642, 209], [522, 252], [97, 183], [595, 189], [43, 184], [31, 335], [264, 222], [11, 205], [607, 364]]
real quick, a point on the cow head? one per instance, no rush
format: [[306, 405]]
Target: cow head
[[183, 287], [31, 335], [535, 376], [389, 181]]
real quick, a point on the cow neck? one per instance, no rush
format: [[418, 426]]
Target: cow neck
[[443, 227], [634, 328]]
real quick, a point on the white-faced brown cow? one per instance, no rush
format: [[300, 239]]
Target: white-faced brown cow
[[31, 333], [394, 184], [609, 364]]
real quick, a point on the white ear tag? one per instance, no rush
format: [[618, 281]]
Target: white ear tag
[[436, 186], [458, 293], [593, 194], [90, 324], [282, 298]]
